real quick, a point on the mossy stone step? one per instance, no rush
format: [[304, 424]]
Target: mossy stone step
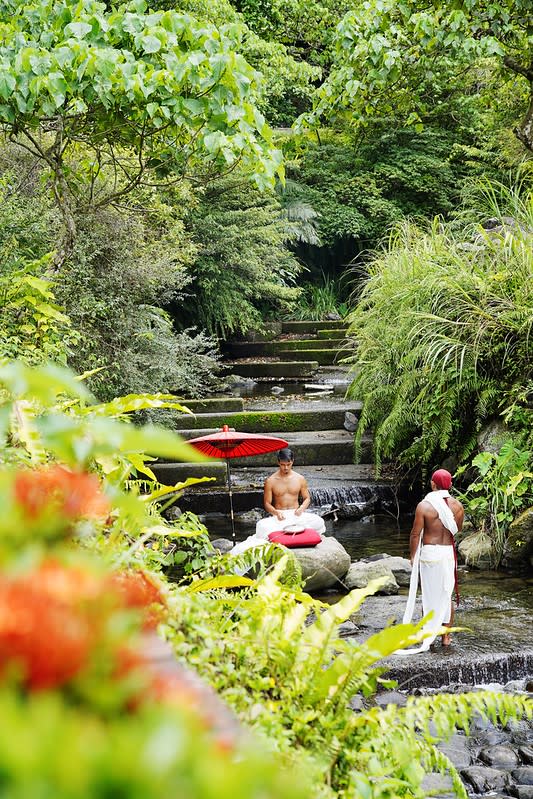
[[304, 419], [308, 344], [215, 405], [332, 333], [323, 357], [249, 349], [278, 369], [311, 326]]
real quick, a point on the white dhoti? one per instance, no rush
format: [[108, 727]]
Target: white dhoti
[[271, 525], [435, 564]]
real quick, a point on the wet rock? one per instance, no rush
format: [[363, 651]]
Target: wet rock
[[526, 754], [360, 574], [400, 567], [491, 737], [519, 544], [277, 390], [483, 779], [222, 545], [323, 566], [347, 629], [437, 784], [373, 558], [492, 437], [476, 550], [350, 422], [501, 756], [249, 517], [356, 703], [521, 732], [523, 775], [521, 791], [390, 698], [457, 750], [173, 513]]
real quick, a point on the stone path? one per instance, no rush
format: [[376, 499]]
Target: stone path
[[268, 395]]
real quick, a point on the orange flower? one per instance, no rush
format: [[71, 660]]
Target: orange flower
[[48, 640], [73, 495], [136, 589]]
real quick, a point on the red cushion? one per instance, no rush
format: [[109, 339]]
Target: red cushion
[[308, 538]]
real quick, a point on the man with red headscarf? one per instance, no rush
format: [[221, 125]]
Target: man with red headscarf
[[437, 519]]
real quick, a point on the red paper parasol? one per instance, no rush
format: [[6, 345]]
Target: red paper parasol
[[230, 444]]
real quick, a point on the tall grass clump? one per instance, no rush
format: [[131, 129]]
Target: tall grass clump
[[320, 299], [442, 332]]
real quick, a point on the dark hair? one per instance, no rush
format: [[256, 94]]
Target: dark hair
[[285, 454]]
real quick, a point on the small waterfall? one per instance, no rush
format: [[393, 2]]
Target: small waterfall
[[497, 668], [354, 501]]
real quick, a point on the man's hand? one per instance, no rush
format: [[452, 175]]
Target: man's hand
[[280, 516], [298, 512]]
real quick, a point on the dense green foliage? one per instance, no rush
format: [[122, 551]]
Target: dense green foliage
[[409, 59], [272, 652], [443, 334], [242, 267]]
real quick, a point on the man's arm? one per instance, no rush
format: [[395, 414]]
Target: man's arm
[[459, 516], [268, 499], [305, 498], [416, 530]]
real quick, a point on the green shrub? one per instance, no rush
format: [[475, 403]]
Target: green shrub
[[442, 336], [243, 270]]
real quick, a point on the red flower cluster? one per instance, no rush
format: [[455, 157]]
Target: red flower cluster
[[73, 495], [42, 632], [138, 590], [52, 620]]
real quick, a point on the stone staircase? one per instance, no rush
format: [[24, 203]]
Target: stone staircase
[[277, 381]]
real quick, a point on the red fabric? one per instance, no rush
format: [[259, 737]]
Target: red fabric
[[309, 538], [442, 479]]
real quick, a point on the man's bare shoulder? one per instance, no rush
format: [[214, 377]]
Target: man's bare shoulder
[[455, 504]]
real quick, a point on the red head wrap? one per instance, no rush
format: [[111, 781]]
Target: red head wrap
[[442, 479]]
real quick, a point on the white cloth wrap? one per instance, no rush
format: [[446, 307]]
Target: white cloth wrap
[[435, 563], [272, 524]]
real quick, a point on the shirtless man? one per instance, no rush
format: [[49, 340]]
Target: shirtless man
[[437, 518], [286, 497]]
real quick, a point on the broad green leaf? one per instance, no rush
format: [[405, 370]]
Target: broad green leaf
[[222, 581]]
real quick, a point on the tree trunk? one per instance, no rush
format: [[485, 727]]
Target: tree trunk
[[525, 131]]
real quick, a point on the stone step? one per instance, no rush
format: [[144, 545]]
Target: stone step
[[272, 369], [331, 333], [311, 326], [258, 421], [325, 449], [324, 357], [250, 349], [215, 405]]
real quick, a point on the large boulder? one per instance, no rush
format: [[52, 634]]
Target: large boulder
[[477, 551], [323, 566], [400, 567], [493, 436], [361, 573], [519, 545]]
